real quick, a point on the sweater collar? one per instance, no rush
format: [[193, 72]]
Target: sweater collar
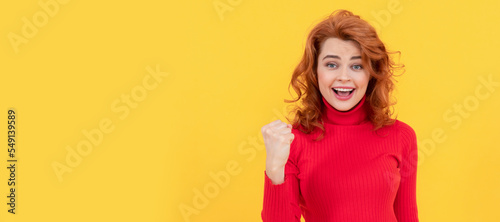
[[355, 116]]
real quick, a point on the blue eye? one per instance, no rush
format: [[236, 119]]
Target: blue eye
[[331, 65], [357, 67]]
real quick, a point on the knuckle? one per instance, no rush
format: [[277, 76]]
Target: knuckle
[[282, 139]]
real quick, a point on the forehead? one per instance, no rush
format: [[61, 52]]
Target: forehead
[[339, 46]]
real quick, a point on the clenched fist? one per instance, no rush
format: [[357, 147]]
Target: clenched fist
[[277, 137]]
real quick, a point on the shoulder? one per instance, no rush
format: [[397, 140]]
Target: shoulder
[[397, 128], [303, 136], [407, 136], [405, 130], [298, 137], [302, 140]]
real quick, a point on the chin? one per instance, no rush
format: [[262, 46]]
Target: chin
[[345, 105], [344, 108]]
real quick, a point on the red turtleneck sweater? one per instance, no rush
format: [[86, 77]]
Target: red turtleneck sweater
[[352, 174]]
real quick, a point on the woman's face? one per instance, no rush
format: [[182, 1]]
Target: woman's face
[[342, 79]]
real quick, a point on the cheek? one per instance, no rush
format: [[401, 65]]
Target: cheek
[[323, 84], [363, 80], [322, 79], [325, 78]]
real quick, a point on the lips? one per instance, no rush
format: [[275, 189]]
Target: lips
[[343, 93]]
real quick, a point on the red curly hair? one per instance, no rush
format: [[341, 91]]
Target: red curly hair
[[375, 58]]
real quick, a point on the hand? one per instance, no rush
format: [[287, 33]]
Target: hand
[[277, 138]]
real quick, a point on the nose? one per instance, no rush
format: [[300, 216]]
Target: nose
[[344, 75]]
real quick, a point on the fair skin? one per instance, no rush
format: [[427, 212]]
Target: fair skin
[[342, 82], [341, 77]]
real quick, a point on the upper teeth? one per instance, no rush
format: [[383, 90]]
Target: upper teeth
[[343, 89]]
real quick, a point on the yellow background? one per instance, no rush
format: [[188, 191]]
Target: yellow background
[[228, 73]]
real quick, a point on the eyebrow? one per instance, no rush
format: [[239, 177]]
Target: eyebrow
[[337, 57]]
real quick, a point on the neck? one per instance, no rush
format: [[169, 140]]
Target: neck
[[355, 116]]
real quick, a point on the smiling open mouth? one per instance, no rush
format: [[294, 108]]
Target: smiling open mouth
[[343, 92]]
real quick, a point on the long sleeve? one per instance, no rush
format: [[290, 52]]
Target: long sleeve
[[405, 204], [281, 201], [353, 173]]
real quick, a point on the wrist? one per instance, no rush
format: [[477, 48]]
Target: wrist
[[274, 165], [277, 175]]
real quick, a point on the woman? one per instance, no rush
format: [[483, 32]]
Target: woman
[[344, 158]]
